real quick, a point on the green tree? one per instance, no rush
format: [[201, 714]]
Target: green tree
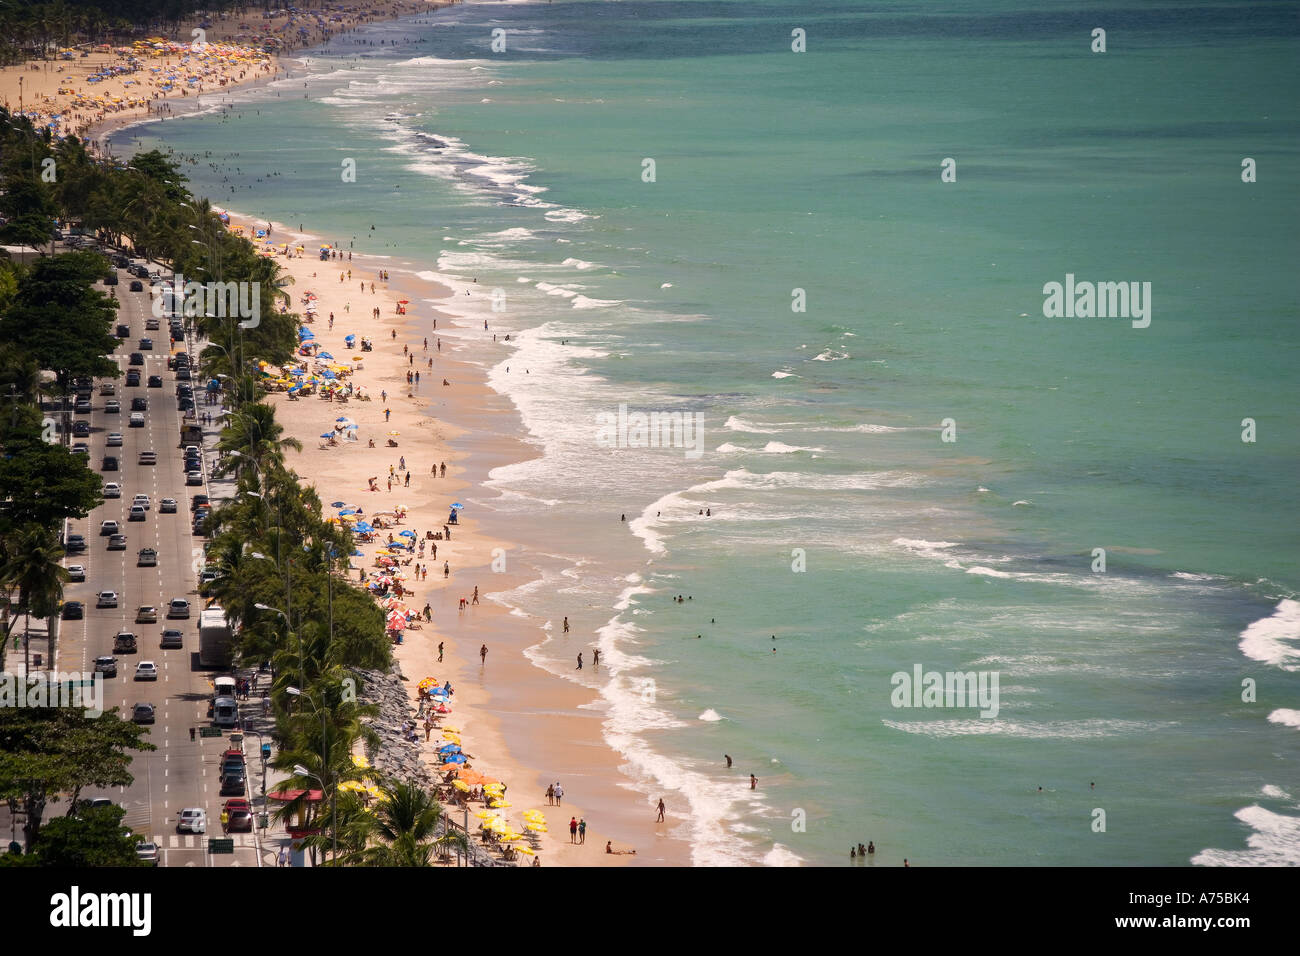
[[405, 829], [94, 837], [45, 752], [42, 484], [32, 567]]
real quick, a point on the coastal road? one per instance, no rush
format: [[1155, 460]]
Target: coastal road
[[182, 772]]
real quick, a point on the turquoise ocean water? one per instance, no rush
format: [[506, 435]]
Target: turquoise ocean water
[[823, 442]]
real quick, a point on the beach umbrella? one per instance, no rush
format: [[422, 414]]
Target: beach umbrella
[[453, 759], [349, 338], [326, 355], [457, 505], [461, 785], [406, 534], [449, 749], [327, 435], [343, 420], [347, 511], [358, 554], [394, 434], [338, 504]]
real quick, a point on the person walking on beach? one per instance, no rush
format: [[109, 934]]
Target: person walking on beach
[[582, 830], [579, 660], [662, 808], [475, 601], [566, 625], [550, 795], [728, 758], [559, 794], [573, 829], [753, 782], [408, 480], [390, 484], [440, 643], [446, 569], [482, 654], [443, 469], [595, 657], [386, 414]]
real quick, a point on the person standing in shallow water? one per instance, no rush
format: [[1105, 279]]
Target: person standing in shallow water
[[482, 654]]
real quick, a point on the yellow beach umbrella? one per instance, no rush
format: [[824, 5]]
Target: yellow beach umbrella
[[460, 785]]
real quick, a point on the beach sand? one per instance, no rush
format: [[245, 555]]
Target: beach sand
[[340, 473]]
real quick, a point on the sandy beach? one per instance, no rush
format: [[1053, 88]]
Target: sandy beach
[[87, 90], [340, 472]]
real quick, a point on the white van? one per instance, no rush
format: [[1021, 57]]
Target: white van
[[225, 712], [223, 687]]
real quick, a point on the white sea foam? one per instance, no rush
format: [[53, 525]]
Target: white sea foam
[[784, 375], [1287, 718], [1068, 729], [579, 264], [585, 302], [711, 715], [1272, 640], [830, 355], [1275, 841]]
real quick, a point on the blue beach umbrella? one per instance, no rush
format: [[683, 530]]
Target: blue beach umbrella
[[454, 758], [457, 505], [349, 338], [326, 434], [341, 418], [449, 749], [338, 504], [327, 374], [358, 554], [326, 355], [299, 372], [347, 511], [406, 534]]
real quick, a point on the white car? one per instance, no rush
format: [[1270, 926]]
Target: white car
[[192, 820], [114, 439], [179, 608], [107, 527], [106, 599], [137, 420], [146, 670], [76, 572], [137, 513], [112, 490], [142, 501]]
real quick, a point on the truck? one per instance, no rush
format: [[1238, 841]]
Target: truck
[[191, 435], [215, 638]]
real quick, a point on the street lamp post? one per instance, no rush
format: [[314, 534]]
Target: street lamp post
[[324, 767]]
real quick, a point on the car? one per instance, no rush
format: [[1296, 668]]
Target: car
[[117, 542], [143, 713], [208, 575], [184, 391], [112, 408], [114, 439], [81, 448], [193, 477], [147, 852], [239, 821], [73, 611], [110, 463], [231, 760], [192, 820], [106, 665], [146, 345], [137, 420], [74, 543], [82, 405], [147, 558], [193, 464], [141, 500], [110, 279], [183, 373], [155, 381], [76, 572], [146, 614], [106, 599], [172, 638], [148, 458], [236, 803], [108, 527], [184, 404], [146, 670], [199, 501], [167, 506], [136, 286], [123, 331], [178, 608], [138, 513], [107, 388], [139, 404], [81, 429], [233, 781], [112, 489], [124, 643], [151, 325], [137, 358], [132, 378]]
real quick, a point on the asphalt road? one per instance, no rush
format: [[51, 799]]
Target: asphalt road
[[181, 773]]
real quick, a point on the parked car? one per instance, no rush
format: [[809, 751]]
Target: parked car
[[146, 670], [81, 429], [192, 820], [179, 608], [73, 611], [74, 543], [184, 404], [124, 643], [106, 599], [143, 713], [147, 558], [233, 781], [110, 279], [106, 665], [114, 440], [193, 478], [167, 506], [183, 373], [199, 501], [147, 614], [172, 638], [76, 573]]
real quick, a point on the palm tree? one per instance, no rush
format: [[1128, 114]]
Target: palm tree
[[32, 566], [257, 436], [405, 828]]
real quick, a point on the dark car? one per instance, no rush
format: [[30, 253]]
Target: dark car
[[143, 713], [81, 429], [136, 285], [110, 463], [146, 345], [185, 404], [155, 381], [183, 373], [140, 404], [233, 782], [137, 358], [132, 377], [110, 279], [239, 821], [75, 543], [198, 501], [73, 611], [124, 331], [124, 643]]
